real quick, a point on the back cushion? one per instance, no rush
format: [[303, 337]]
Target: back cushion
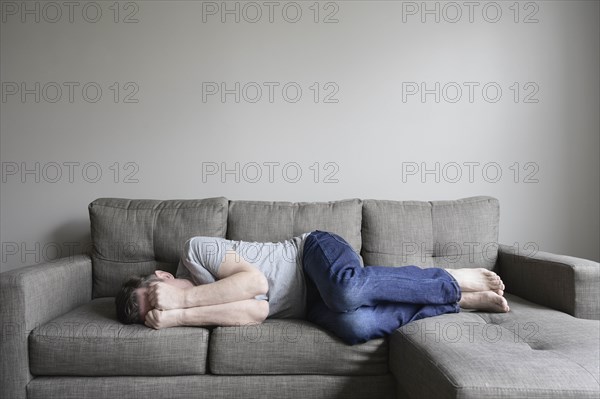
[[448, 234], [264, 221], [139, 236]]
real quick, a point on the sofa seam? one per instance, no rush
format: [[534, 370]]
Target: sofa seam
[[432, 363], [575, 362], [154, 208]]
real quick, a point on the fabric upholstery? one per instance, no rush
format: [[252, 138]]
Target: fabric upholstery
[[292, 347], [214, 387], [532, 352], [260, 221], [560, 282], [90, 341], [31, 296], [447, 234], [276, 221], [139, 236]]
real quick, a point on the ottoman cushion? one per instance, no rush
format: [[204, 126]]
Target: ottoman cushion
[[532, 352]]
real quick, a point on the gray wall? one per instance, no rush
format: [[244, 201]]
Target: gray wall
[[518, 95]]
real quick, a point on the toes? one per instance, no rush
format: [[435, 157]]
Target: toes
[[497, 284], [498, 303], [500, 284], [503, 305], [487, 272]]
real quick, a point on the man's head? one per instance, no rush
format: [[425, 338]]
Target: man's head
[[132, 300]]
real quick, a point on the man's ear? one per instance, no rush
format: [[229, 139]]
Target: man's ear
[[163, 275]]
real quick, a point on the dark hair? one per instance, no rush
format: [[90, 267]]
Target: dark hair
[[128, 309]]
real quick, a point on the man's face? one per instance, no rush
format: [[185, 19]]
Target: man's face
[[142, 295]]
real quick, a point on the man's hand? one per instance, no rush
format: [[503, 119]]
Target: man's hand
[[158, 319], [164, 296]]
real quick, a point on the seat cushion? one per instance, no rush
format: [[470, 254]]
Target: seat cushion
[[286, 346], [90, 341], [532, 352]]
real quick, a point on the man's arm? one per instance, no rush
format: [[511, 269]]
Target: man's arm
[[249, 311], [238, 281]]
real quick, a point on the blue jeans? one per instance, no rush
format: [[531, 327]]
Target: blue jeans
[[361, 303]]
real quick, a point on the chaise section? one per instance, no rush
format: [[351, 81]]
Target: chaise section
[[287, 346], [29, 297], [532, 352], [90, 341], [564, 283]]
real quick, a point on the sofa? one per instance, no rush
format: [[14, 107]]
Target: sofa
[[61, 338]]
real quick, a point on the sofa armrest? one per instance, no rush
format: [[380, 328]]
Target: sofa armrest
[[565, 283], [31, 296]]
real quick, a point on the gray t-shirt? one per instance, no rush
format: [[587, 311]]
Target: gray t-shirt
[[280, 262]]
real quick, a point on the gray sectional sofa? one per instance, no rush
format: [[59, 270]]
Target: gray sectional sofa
[[61, 338]]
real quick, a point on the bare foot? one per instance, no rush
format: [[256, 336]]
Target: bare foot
[[474, 280], [484, 300]]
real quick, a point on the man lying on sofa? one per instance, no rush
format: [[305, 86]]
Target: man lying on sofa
[[316, 275]]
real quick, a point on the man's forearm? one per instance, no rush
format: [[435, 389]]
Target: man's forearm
[[238, 287], [248, 311]]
